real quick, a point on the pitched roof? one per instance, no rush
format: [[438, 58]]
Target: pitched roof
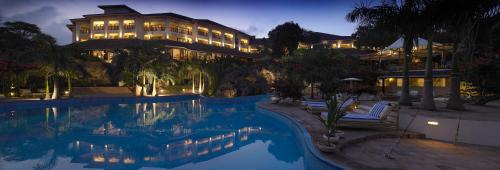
[[325, 36], [122, 6]]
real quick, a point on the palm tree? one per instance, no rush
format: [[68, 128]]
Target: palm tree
[[431, 24], [393, 16], [139, 63], [462, 19]]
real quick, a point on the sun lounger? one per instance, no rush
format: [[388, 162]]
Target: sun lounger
[[322, 107], [379, 116]]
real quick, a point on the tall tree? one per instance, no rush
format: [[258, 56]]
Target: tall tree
[[393, 15], [463, 19], [285, 39]]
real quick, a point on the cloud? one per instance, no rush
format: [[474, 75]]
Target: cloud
[[254, 30], [46, 18], [41, 16]]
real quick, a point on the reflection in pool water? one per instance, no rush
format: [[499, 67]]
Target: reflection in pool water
[[187, 134]]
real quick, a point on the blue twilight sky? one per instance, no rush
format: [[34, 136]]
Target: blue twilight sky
[[255, 17]]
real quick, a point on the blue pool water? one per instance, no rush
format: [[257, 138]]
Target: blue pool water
[[181, 133]]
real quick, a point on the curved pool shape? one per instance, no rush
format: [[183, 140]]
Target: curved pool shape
[[189, 133]]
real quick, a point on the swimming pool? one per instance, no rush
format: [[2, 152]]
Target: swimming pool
[[173, 133]]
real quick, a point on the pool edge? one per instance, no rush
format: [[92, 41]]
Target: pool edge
[[307, 137]]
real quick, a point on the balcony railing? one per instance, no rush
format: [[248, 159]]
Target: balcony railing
[[203, 33], [84, 31], [154, 28], [181, 30], [227, 38], [98, 27], [113, 27], [216, 36], [129, 27]]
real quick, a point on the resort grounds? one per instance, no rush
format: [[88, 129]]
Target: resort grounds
[[423, 146]]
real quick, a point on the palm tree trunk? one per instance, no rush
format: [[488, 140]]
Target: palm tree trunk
[[55, 93], [455, 102], [144, 90], [405, 91], [428, 98], [47, 88], [154, 86], [199, 84], [69, 86], [193, 83], [312, 90]]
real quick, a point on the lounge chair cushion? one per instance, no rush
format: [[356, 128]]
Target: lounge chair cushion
[[379, 110], [352, 116], [359, 116]]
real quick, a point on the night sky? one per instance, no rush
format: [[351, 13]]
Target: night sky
[[255, 17]]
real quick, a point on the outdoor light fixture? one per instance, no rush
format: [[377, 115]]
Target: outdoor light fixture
[[433, 123]]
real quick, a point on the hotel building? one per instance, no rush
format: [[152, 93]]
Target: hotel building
[[329, 41], [184, 38]]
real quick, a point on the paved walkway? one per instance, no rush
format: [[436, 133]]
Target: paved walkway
[[365, 149], [425, 154]]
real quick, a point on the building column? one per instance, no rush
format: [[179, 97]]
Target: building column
[[194, 31], [222, 38], [167, 29], [239, 43], [120, 27], [210, 36], [76, 33], [105, 29], [91, 29]]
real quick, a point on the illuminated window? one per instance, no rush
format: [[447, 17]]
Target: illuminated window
[[83, 39], [129, 35], [98, 25], [184, 40], [216, 34], [176, 54], [154, 26], [113, 25], [244, 42], [228, 36], [227, 45], [399, 82], [153, 37], [128, 24], [439, 82], [113, 36], [417, 82], [98, 36], [202, 31], [216, 43], [84, 29], [182, 29], [202, 41]]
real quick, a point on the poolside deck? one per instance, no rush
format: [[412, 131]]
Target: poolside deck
[[365, 149]]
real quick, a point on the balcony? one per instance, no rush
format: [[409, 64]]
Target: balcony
[[181, 30], [228, 39], [154, 28], [113, 27], [129, 27], [203, 33], [98, 27], [84, 31]]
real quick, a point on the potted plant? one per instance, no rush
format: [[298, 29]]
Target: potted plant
[[335, 112]]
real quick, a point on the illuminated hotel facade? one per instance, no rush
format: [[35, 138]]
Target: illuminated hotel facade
[[185, 37]]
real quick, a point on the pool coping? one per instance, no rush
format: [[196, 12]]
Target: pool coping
[[307, 138]]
